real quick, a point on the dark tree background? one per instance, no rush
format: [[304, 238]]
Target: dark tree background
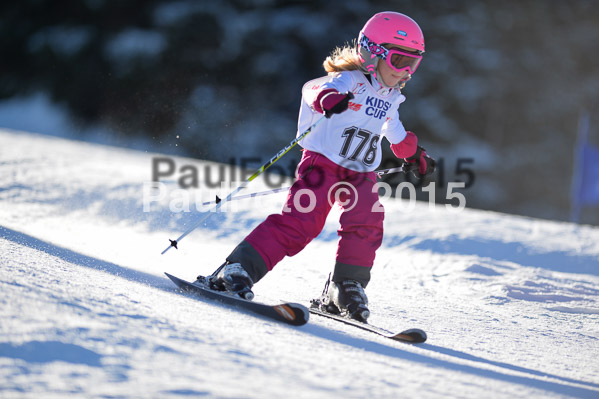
[[503, 83]]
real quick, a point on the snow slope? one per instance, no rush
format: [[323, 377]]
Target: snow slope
[[511, 304]]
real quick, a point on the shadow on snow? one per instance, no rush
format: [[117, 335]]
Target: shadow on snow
[[83, 260], [562, 388], [535, 379]]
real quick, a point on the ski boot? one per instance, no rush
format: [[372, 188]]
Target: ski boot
[[346, 298], [232, 278]]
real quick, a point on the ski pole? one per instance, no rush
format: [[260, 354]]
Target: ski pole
[[379, 173], [252, 195], [243, 185], [383, 172]]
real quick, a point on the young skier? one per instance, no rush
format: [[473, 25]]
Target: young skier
[[363, 88]]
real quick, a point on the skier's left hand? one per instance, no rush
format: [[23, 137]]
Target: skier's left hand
[[420, 164]]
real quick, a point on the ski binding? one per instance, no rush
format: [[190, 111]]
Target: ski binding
[[289, 313]]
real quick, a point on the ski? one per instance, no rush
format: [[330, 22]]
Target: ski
[[290, 313], [412, 335]]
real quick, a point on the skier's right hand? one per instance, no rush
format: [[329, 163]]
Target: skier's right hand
[[330, 101]]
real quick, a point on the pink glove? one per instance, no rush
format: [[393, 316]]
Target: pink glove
[[330, 101], [422, 162], [414, 155]]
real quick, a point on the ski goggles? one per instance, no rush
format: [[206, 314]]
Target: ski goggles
[[398, 60]]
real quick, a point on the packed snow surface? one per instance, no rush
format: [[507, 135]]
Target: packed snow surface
[[510, 304]]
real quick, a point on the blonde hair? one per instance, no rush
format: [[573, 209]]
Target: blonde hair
[[344, 58]]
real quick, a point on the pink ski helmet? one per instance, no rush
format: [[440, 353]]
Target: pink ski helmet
[[388, 28]]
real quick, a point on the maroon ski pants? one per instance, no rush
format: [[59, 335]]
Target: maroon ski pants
[[319, 184]]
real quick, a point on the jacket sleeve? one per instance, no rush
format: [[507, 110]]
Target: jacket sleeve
[[403, 143], [407, 147]]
